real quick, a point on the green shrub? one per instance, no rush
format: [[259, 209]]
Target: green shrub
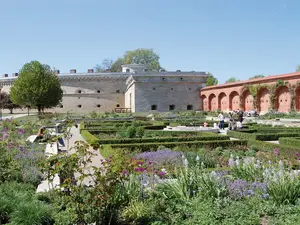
[[88, 136], [130, 132], [197, 144], [289, 141], [140, 131], [161, 139], [259, 136]]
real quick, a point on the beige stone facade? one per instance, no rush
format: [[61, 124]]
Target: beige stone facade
[[133, 89]]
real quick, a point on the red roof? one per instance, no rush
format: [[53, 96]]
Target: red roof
[[256, 80]]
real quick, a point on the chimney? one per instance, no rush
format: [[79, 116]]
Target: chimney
[[90, 70], [5, 75], [15, 74], [72, 71], [57, 72]]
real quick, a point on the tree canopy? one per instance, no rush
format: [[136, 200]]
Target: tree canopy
[[231, 79], [298, 68], [6, 102], [138, 56], [37, 86], [257, 76], [211, 80]]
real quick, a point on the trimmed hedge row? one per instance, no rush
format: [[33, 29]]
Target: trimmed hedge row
[[285, 151], [197, 144], [162, 139], [295, 142], [259, 136], [166, 133], [279, 130]]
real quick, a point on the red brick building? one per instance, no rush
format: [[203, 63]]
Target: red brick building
[[279, 93]]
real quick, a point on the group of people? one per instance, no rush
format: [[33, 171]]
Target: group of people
[[232, 125]]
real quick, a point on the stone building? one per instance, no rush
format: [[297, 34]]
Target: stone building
[[279, 93], [134, 89]]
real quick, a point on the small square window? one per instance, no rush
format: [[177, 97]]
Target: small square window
[[153, 107], [153, 89], [171, 107], [172, 89], [181, 78], [118, 105], [61, 106], [98, 106], [189, 107], [118, 91], [98, 91], [79, 91], [190, 88], [78, 106], [127, 70]]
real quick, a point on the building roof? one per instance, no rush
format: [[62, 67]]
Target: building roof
[[255, 81]]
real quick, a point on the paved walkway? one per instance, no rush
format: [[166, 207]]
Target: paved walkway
[[14, 116], [76, 136]]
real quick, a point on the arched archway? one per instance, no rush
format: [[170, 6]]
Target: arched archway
[[263, 100], [282, 99], [297, 98], [247, 101], [222, 102], [204, 103], [234, 101], [212, 102]]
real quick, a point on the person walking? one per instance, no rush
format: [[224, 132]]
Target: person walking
[[221, 118], [240, 118], [231, 121]]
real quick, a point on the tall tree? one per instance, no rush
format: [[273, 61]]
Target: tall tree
[[211, 80], [104, 66], [257, 76], [231, 79], [138, 56], [298, 68], [6, 102], [37, 86]]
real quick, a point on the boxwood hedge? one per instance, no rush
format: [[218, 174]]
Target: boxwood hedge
[[197, 144]]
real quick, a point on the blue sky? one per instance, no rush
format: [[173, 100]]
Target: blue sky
[[228, 38]]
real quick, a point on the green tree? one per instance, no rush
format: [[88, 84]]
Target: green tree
[[138, 56], [298, 68], [211, 80], [6, 102], [231, 79], [106, 65], [257, 76], [37, 86]]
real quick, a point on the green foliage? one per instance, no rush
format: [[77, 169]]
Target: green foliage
[[198, 144], [231, 80], [298, 68], [131, 132], [211, 80], [289, 141], [37, 86], [138, 56], [257, 76], [19, 205], [161, 139], [6, 102], [140, 131]]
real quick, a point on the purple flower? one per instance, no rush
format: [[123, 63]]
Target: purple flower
[[124, 172], [5, 129], [5, 136], [21, 148], [297, 154], [161, 174], [276, 151], [161, 157], [21, 131]]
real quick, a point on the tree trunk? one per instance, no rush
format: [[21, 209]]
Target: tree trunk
[[28, 110], [10, 111], [39, 109]]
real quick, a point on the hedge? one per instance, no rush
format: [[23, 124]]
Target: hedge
[[285, 151], [279, 130], [161, 139], [259, 136], [198, 144], [295, 142], [167, 133], [88, 136]]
